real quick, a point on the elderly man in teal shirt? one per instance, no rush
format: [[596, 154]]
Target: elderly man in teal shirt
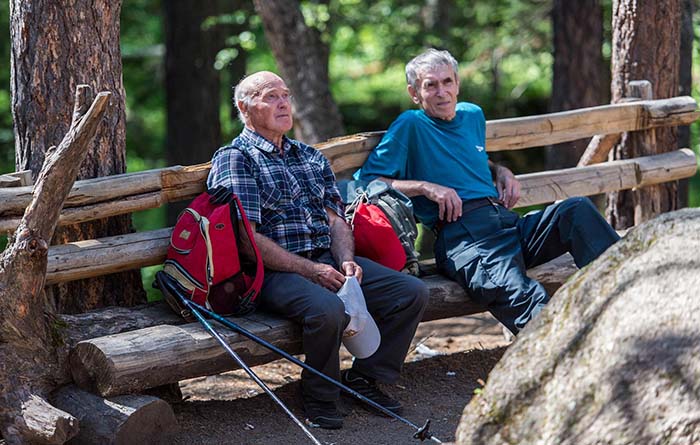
[[437, 156]]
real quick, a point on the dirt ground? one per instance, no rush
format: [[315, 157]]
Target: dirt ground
[[448, 360]]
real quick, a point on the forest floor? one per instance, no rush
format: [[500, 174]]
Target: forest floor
[[449, 359]]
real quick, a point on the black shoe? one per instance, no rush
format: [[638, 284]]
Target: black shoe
[[321, 414], [368, 388]]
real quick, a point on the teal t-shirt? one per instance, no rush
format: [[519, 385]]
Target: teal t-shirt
[[450, 153]]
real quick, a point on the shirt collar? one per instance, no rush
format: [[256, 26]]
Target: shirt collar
[[261, 143]]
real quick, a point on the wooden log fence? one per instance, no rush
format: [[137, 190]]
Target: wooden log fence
[[85, 259]]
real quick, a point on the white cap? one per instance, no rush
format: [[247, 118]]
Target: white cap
[[365, 342], [361, 336]]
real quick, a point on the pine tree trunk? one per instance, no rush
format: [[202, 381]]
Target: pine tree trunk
[[57, 45], [580, 75], [686, 84], [646, 40], [303, 62], [192, 84]]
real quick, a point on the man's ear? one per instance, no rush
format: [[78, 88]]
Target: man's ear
[[242, 106], [413, 93]]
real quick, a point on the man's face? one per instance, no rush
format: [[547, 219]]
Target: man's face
[[437, 92], [270, 109]]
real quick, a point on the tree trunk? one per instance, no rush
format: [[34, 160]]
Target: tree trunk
[[192, 84], [57, 45], [303, 61], [580, 78], [28, 329], [686, 84], [646, 41]]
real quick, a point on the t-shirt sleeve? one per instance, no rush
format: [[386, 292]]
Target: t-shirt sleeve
[[232, 169], [389, 158]]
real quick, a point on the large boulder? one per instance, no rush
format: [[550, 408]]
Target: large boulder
[[615, 356]]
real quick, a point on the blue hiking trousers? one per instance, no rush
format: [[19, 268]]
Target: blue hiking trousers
[[489, 249]]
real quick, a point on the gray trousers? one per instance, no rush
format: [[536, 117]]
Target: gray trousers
[[489, 249], [395, 300]]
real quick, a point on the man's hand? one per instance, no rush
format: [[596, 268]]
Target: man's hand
[[449, 203], [352, 269], [508, 187], [326, 276]]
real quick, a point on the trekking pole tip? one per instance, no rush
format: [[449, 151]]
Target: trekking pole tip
[[424, 433]]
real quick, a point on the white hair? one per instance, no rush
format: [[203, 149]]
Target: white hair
[[243, 92], [428, 60]]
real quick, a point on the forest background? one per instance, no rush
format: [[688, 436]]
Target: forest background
[[506, 50]]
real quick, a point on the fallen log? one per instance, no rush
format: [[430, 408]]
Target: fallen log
[[122, 420]]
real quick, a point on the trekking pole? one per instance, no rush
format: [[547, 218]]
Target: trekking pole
[[195, 308], [422, 433]]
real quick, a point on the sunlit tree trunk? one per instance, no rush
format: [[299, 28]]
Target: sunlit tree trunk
[[57, 45], [646, 44], [303, 62], [580, 75]]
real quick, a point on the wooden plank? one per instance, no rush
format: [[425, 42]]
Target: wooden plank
[[16, 179], [173, 183], [92, 258], [161, 354], [544, 187]]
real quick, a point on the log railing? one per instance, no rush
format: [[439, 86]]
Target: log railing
[[85, 259]]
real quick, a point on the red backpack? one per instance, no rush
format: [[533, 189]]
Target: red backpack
[[204, 258]]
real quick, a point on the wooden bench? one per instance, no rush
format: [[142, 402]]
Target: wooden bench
[[116, 351]]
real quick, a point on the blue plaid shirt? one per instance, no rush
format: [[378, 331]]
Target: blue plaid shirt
[[286, 196]]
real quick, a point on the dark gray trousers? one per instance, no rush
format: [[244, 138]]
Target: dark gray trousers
[[395, 300], [489, 249]]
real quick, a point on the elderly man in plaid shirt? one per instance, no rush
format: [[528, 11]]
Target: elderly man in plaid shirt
[[289, 194]]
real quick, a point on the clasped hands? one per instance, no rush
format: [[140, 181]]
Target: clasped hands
[[331, 278]]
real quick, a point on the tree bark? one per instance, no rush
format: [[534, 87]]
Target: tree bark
[[57, 45], [646, 41], [192, 84], [28, 363], [580, 75], [686, 84], [303, 61]]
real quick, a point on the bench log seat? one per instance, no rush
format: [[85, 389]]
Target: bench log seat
[[120, 363]]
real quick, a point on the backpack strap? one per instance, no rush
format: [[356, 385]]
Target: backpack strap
[[258, 279]]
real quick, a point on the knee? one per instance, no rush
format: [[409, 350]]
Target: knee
[[416, 291], [328, 316], [578, 204], [580, 212]]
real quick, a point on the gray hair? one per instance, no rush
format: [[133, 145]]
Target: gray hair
[[428, 60], [242, 92]]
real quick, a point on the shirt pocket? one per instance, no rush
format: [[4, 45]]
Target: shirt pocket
[[314, 183], [271, 196]]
